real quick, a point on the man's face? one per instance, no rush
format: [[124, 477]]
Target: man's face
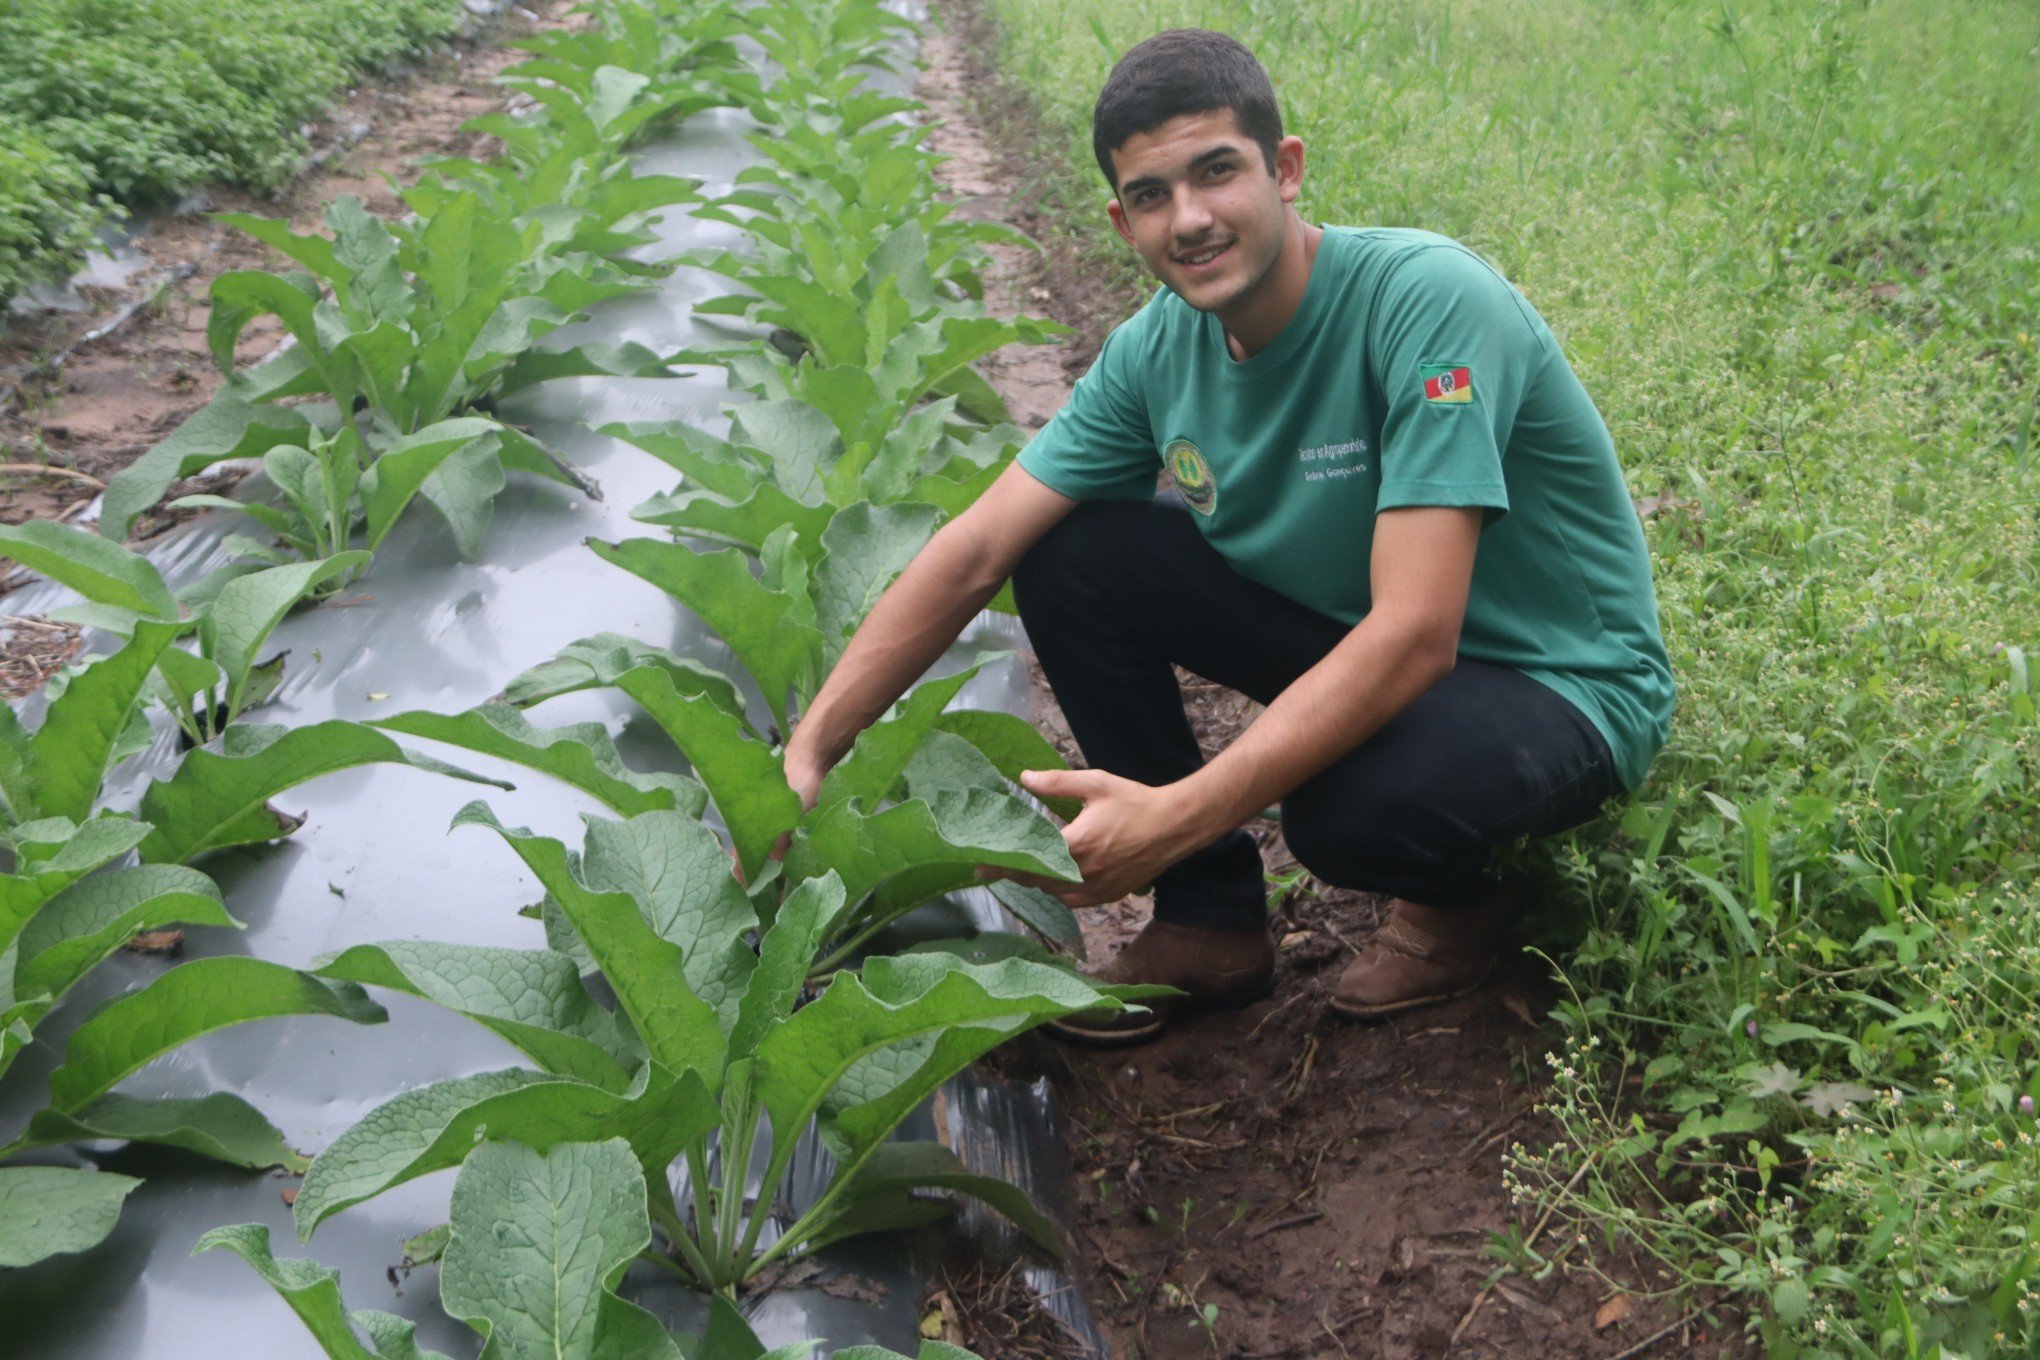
[[1197, 200]]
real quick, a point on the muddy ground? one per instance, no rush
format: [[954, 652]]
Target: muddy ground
[[1327, 1187]]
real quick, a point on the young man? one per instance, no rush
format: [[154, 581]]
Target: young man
[[1400, 525]]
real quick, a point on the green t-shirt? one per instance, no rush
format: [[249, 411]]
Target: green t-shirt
[[1411, 374]]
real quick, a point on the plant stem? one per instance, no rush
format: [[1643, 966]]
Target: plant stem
[[701, 1188], [835, 957], [697, 1270]]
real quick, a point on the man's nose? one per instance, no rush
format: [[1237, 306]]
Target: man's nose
[[1192, 215]]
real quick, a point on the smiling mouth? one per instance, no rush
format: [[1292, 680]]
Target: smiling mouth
[[1198, 259]]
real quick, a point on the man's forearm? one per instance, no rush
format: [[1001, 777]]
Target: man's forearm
[[1377, 670], [909, 628]]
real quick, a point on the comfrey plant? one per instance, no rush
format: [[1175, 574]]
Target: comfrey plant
[[70, 896], [710, 1071], [78, 880], [411, 330], [530, 1293]]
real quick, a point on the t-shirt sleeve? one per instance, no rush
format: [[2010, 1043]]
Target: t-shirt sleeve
[[1452, 349], [1099, 445]]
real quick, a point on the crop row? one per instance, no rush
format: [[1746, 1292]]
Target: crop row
[[741, 1021]]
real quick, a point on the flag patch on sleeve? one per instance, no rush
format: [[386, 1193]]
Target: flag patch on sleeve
[[1447, 384]]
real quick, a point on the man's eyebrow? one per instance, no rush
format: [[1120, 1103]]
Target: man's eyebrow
[[1197, 162]]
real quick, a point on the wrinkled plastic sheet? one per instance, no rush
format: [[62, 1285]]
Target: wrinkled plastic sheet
[[375, 861]]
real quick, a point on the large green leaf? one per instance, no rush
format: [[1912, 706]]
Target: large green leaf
[[396, 1141], [876, 1043], [220, 798], [533, 998], [50, 1210], [883, 749], [581, 755], [313, 1293], [946, 763], [96, 915], [592, 360], [978, 827], [645, 970], [896, 1170], [601, 659], [241, 295], [315, 253], [400, 469], [539, 1244], [248, 608], [679, 874], [1013, 745], [463, 488], [76, 746], [100, 570], [765, 628], [729, 1337], [227, 427], [711, 463], [744, 777], [434, 1127], [190, 1000], [223, 1127], [745, 523], [866, 547], [57, 851], [785, 954], [17, 802]]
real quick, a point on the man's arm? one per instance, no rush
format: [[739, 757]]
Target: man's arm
[[919, 616], [1421, 569]]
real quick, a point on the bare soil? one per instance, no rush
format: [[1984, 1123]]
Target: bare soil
[[1329, 1188], [63, 432]]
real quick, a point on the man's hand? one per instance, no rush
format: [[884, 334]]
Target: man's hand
[[804, 773], [1126, 834]]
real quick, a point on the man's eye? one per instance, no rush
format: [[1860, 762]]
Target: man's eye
[[1219, 171]]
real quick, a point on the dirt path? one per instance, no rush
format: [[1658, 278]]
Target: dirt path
[[1327, 1187]]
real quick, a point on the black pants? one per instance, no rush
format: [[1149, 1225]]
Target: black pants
[[1120, 590]]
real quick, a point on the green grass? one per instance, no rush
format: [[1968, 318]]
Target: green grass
[[136, 101], [1793, 249]]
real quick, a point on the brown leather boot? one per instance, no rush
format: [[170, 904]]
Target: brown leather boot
[[1425, 954], [1215, 969]]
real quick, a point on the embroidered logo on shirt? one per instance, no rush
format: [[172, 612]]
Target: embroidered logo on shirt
[[1447, 384], [1192, 476]]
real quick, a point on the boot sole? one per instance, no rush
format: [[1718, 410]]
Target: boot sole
[[1126, 1038], [1384, 1009]]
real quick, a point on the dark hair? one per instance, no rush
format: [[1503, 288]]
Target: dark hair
[[1179, 71]]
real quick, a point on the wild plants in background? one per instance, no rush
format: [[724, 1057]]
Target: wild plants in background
[[1809, 317]]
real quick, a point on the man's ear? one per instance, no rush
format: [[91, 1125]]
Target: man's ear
[[1117, 213], [1289, 168]]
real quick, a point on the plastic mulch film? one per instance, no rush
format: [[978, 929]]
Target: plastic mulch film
[[375, 860]]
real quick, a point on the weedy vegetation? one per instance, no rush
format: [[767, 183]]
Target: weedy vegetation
[[1791, 248], [105, 104]]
